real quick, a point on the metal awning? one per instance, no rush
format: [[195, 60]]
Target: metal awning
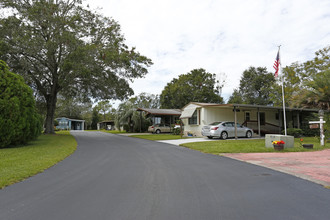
[[188, 112], [149, 111]]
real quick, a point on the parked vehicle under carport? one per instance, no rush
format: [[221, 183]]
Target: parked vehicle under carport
[[159, 128]]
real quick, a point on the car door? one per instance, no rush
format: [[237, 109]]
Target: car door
[[240, 130], [167, 128], [229, 127], [161, 128]]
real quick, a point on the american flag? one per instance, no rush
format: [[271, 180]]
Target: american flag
[[277, 63]]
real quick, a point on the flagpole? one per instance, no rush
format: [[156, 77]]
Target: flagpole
[[283, 100]]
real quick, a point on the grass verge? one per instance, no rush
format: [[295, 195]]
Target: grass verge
[[249, 146], [21, 162], [158, 137]]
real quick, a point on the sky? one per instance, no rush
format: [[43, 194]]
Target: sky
[[224, 37]]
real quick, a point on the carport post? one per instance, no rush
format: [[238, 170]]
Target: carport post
[[259, 123], [181, 128], [235, 122]]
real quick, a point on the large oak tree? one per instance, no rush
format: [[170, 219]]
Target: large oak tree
[[255, 87], [62, 47], [195, 86]]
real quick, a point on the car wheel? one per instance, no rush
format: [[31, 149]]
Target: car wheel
[[209, 137], [248, 134], [224, 135], [157, 131]]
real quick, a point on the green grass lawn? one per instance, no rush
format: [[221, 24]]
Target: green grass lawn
[[249, 146], [158, 137], [21, 162]]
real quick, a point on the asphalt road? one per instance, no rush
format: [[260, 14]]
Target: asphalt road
[[116, 177]]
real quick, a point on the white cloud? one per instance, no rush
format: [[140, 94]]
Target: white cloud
[[221, 36]]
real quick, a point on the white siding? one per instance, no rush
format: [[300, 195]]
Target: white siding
[[218, 114]]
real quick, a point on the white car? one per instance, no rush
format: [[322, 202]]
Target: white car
[[225, 130]]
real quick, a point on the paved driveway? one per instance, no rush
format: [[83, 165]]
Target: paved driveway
[[202, 139], [313, 166], [117, 177]]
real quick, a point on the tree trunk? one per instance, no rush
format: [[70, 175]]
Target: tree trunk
[[51, 105], [130, 124]]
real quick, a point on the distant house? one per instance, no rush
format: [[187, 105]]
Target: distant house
[[70, 124], [262, 119], [167, 117], [162, 116]]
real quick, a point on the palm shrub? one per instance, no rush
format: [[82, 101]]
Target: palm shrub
[[19, 121]]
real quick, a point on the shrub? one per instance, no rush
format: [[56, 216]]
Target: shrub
[[56, 123], [126, 128], [307, 132], [19, 121], [176, 131], [296, 132]]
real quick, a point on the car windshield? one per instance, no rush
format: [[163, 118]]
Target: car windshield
[[215, 123]]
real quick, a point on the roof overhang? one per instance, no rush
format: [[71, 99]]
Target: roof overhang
[[175, 112], [247, 106], [188, 112], [70, 119]]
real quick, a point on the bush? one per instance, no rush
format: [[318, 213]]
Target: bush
[[296, 132], [126, 128], [176, 131], [56, 123], [19, 121], [307, 132]]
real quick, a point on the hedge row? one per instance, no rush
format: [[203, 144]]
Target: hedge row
[[19, 121]]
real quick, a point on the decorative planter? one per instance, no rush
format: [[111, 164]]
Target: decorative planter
[[278, 147], [308, 146]]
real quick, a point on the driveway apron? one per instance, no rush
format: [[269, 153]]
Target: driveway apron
[[313, 166], [117, 177]]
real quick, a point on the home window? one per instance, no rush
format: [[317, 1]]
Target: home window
[[193, 119], [156, 120], [277, 116]]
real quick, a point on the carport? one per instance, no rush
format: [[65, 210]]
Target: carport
[[161, 116]]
